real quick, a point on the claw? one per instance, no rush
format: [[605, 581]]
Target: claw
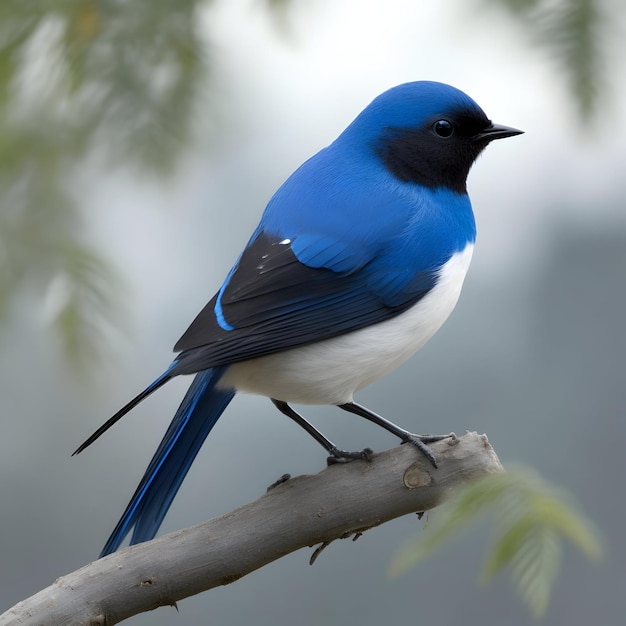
[[420, 443], [343, 456]]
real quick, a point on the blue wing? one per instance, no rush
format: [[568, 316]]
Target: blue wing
[[273, 302]]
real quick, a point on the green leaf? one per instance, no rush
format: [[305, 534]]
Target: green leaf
[[509, 546], [115, 81], [531, 517], [81, 297], [574, 33], [466, 505], [534, 567]]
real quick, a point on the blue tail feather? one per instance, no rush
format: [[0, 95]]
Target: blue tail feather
[[199, 411]]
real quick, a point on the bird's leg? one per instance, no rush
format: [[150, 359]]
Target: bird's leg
[[419, 441], [336, 455]]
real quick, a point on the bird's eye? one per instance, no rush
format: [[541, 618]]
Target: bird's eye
[[443, 128]]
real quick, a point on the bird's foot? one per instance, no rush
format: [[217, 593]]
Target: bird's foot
[[343, 456], [421, 441]]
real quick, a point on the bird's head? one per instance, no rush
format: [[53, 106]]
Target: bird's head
[[426, 132]]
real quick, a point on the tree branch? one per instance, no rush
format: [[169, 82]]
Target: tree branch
[[338, 502]]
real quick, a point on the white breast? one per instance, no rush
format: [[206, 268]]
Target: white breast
[[331, 371]]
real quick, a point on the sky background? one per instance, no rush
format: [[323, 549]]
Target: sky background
[[533, 354]]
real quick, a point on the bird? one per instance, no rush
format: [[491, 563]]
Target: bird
[[358, 259]]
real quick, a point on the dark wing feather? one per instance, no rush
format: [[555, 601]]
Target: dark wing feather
[[272, 302]]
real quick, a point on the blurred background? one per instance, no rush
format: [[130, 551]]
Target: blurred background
[[139, 143]]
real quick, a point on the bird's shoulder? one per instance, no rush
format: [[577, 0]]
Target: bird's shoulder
[[343, 208]]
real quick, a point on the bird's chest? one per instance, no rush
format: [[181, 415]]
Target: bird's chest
[[331, 371]]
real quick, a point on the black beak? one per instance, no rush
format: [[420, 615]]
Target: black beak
[[497, 131]]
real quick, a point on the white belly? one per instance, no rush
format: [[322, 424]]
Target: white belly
[[331, 371]]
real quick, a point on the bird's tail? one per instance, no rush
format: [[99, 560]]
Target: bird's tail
[[199, 411]]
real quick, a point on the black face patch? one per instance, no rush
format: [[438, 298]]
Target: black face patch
[[438, 154]]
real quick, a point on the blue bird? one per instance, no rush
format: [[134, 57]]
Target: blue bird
[[357, 261]]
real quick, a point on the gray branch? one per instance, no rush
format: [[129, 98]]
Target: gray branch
[[338, 502]]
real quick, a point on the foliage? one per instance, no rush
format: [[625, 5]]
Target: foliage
[[573, 32], [531, 517], [83, 79]]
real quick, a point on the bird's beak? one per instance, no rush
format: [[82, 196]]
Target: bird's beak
[[497, 131]]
